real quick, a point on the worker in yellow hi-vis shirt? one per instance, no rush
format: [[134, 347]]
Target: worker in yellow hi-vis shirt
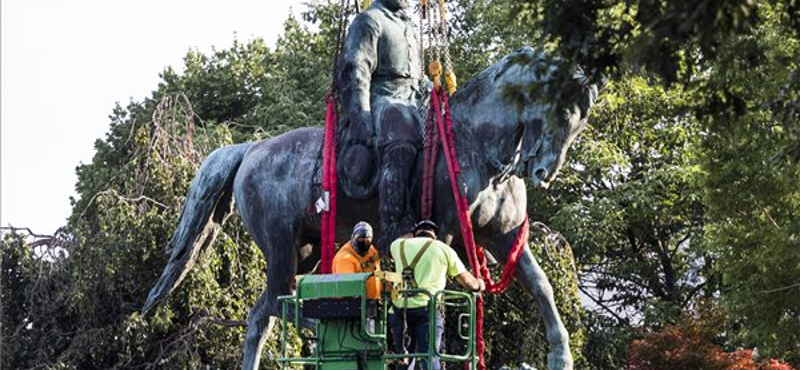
[[359, 255], [425, 263]]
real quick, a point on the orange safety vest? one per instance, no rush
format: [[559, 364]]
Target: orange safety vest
[[347, 261]]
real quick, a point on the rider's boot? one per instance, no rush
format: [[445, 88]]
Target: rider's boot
[[394, 217]]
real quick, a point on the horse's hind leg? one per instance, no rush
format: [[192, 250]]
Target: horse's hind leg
[[281, 256], [259, 324]]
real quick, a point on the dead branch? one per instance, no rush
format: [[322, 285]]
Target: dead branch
[[28, 231], [780, 289], [182, 337]]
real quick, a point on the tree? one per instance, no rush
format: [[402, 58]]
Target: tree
[[754, 237], [628, 203], [690, 344], [483, 31], [735, 64], [627, 199], [130, 196], [35, 289]]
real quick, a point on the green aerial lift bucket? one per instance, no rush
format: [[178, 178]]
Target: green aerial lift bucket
[[351, 329]]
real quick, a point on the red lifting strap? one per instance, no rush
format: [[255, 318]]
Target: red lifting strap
[[511, 263], [475, 254], [429, 153], [329, 182]]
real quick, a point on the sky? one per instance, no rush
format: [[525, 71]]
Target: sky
[[66, 63]]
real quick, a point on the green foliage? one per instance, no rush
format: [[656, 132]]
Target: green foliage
[[684, 186], [485, 30], [261, 91], [669, 39], [84, 311], [225, 86], [35, 289], [755, 237], [607, 340], [118, 251], [703, 171], [294, 95]]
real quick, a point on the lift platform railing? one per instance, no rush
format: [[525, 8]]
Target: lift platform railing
[[374, 340], [466, 322]]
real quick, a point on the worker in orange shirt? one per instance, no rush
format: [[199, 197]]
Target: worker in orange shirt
[[359, 255]]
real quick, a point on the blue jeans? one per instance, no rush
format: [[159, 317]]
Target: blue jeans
[[417, 328]]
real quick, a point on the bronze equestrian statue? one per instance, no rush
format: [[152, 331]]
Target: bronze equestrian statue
[[499, 142]]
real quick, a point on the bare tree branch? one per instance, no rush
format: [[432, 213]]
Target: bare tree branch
[[780, 289], [602, 305]]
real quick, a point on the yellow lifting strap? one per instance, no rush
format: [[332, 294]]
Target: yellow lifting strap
[[365, 4], [435, 72], [450, 80]]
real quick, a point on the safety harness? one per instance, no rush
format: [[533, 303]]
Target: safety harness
[[408, 269], [366, 266], [409, 281]]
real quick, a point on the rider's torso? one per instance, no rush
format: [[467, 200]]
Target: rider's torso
[[398, 70]]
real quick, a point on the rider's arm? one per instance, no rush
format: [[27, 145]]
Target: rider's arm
[[358, 61]]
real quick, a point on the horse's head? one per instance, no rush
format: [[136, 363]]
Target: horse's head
[[532, 106]]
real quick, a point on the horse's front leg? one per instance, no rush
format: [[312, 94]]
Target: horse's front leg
[[535, 282]]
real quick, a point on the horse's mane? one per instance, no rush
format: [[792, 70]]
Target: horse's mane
[[502, 77], [474, 88], [526, 57]]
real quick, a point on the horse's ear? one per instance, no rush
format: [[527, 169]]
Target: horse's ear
[[588, 98], [590, 88]]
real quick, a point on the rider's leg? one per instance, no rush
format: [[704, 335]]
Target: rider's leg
[[397, 161], [399, 140]]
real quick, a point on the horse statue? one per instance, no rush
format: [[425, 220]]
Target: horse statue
[[499, 141]]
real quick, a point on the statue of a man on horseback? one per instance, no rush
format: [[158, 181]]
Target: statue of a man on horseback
[[380, 82], [500, 144]]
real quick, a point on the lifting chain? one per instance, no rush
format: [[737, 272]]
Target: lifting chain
[[433, 40], [434, 16]]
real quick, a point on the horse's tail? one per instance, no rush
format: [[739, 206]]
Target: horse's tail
[[209, 202]]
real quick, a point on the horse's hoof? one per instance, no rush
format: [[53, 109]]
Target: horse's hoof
[[559, 359]]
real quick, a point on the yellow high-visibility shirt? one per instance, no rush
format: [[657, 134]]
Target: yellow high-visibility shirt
[[432, 270]]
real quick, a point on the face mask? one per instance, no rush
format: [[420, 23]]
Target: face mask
[[362, 246]]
